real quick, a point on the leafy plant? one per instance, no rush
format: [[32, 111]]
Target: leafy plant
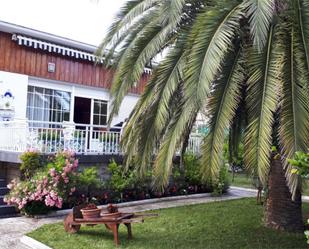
[[192, 169], [36, 208], [300, 163], [31, 161], [300, 166], [307, 233], [88, 180], [221, 184], [120, 179]]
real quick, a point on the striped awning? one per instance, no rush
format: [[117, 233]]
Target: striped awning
[[54, 48]]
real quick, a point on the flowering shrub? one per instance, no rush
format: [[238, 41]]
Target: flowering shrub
[[50, 186]]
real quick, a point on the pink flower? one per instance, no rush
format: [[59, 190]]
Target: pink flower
[[75, 163], [53, 195], [52, 172], [59, 202], [49, 202]]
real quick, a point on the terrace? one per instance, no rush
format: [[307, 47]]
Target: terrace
[[50, 137]]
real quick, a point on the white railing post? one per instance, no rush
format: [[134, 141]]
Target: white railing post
[[68, 135], [86, 140]]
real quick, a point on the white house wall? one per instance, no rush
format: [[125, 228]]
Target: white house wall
[[125, 109], [89, 92], [17, 84]]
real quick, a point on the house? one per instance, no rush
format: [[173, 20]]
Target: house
[[53, 96]]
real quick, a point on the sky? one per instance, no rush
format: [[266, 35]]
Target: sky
[[82, 20]]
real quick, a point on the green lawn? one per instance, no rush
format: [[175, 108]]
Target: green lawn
[[233, 224], [242, 180]]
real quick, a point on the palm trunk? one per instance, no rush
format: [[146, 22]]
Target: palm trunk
[[281, 212]]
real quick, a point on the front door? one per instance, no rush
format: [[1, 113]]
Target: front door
[[82, 110]]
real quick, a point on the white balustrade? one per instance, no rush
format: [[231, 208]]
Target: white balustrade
[[52, 137]]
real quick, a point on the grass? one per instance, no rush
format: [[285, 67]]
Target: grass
[[233, 224], [242, 180]]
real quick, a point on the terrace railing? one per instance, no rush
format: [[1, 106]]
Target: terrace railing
[[50, 137]]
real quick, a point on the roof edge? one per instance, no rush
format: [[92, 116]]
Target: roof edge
[[14, 28]]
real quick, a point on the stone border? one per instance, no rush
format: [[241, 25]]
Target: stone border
[[244, 189], [32, 243], [131, 204]]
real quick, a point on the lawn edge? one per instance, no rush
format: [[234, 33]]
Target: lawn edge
[[131, 204], [32, 243]]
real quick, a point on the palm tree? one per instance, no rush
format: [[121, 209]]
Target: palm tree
[[227, 56]]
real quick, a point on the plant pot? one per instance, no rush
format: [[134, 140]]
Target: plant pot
[[91, 213]]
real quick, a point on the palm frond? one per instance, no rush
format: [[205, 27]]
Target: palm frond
[[170, 142], [294, 127], [212, 36], [149, 42], [262, 100], [214, 30], [164, 84], [260, 13], [302, 17], [221, 107], [131, 11]]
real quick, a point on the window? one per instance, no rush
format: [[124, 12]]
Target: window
[[48, 105], [99, 112]]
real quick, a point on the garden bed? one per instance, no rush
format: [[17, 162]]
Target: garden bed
[[56, 183], [228, 224]]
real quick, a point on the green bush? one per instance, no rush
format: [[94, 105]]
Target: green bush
[[120, 179], [31, 161], [300, 163], [89, 177], [36, 208], [88, 180], [192, 169], [222, 183], [236, 160]]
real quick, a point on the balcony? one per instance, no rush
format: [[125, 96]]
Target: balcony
[[48, 138]]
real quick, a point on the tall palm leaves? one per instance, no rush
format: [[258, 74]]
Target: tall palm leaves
[[262, 99], [221, 106], [260, 14], [294, 129], [212, 51]]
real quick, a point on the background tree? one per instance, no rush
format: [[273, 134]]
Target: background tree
[[219, 55]]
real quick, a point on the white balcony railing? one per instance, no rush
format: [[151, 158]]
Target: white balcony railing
[[52, 137]]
